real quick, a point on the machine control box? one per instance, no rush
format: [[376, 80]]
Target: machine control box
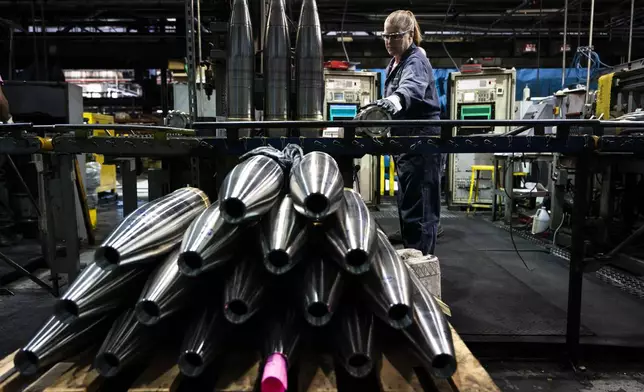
[[345, 92], [486, 95], [350, 87]]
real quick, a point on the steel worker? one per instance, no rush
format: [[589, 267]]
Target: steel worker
[[410, 93]]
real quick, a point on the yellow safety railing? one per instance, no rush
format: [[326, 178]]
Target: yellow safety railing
[[392, 179]]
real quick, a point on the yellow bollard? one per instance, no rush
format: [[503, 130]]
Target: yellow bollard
[[382, 175], [392, 181]]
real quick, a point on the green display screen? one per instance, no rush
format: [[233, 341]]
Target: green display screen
[[342, 112], [476, 112]]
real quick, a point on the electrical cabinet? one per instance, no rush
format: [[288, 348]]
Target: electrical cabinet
[[345, 92], [485, 95]]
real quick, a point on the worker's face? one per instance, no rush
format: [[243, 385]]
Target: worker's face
[[397, 41]]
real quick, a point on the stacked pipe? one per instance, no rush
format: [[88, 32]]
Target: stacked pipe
[[285, 246], [308, 59]]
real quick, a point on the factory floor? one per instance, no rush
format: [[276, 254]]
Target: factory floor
[[513, 317]]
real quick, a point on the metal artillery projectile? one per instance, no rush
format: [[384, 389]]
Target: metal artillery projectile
[[151, 230]]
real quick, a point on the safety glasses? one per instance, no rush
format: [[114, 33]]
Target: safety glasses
[[394, 36]]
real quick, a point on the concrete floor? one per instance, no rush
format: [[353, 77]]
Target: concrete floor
[[492, 296], [540, 376]]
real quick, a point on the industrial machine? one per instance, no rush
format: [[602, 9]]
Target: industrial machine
[[49, 103], [485, 95], [345, 93]]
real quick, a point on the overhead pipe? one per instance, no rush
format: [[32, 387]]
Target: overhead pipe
[[630, 33], [508, 14], [590, 48], [565, 42]]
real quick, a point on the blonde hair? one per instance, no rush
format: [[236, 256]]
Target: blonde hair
[[406, 21]]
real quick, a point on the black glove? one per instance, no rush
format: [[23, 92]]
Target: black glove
[[388, 106]]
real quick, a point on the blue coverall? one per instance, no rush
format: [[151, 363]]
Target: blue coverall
[[418, 175]]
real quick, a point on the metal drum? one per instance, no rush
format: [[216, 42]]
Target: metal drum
[[372, 113]]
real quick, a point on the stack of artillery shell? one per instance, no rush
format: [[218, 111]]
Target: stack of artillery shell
[[278, 247]]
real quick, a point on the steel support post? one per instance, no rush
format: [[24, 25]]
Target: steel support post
[[191, 60], [71, 265], [46, 220], [130, 197], [495, 189], [347, 169], [158, 184], [164, 92], [606, 200], [508, 185], [576, 273]]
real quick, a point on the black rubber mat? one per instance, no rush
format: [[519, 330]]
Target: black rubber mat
[[485, 298], [23, 253], [21, 316]]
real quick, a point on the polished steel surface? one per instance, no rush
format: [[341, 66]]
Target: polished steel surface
[[127, 342], [277, 67], [388, 285], [203, 341], [251, 189], [309, 65], [354, 341], [316, 186], [352, 235], [244, 291], [430, 335], [283, 335], [165, 292], [240, 64], [97, 291], [322, 287], [208, 242], [152, 229], [56, 341], [282, 236]]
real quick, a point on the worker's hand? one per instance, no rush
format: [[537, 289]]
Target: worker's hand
[[391, 104]]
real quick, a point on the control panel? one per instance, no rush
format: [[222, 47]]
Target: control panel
[[349, 87], [478, 90]]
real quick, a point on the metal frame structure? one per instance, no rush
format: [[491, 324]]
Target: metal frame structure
[[70, 139]]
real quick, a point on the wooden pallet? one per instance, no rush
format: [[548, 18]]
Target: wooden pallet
[[239, 373]]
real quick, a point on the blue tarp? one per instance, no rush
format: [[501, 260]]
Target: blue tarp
[[542, 82]]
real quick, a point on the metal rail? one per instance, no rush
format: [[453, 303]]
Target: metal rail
[[210, 146]]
